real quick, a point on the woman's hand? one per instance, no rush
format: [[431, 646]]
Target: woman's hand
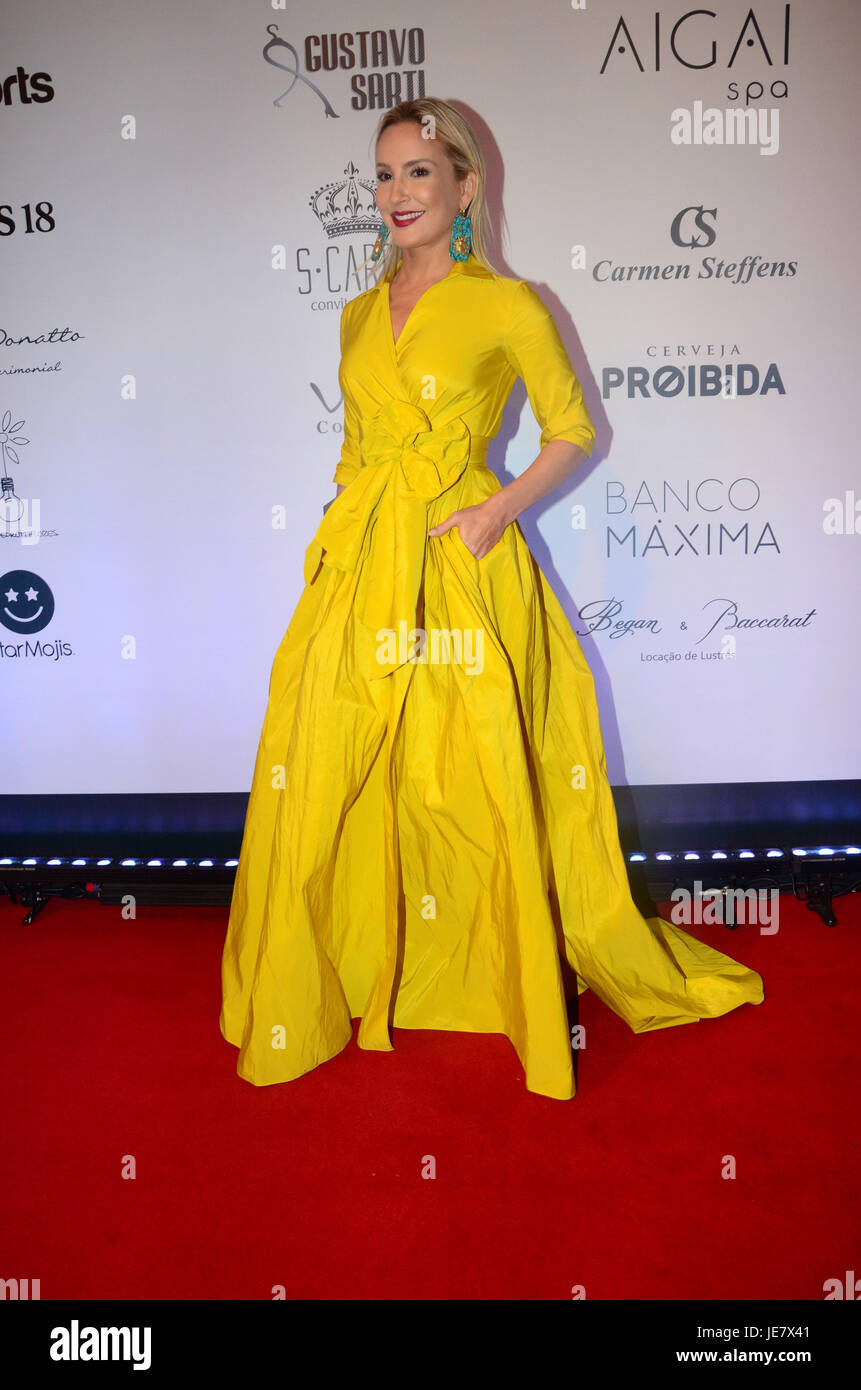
[[479, 527]]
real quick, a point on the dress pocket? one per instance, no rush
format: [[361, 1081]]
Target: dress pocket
[[464, 555], [455, 531]]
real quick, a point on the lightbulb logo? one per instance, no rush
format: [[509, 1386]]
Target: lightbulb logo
[[26, 601]]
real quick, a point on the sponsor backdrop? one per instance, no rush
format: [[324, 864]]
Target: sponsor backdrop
[[187, 199]]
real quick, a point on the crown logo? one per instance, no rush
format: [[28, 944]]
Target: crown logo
[[347, 207]]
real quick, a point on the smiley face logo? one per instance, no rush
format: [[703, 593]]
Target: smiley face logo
[[26, 602]]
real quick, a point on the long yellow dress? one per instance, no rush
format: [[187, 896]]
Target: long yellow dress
[[430, 824]]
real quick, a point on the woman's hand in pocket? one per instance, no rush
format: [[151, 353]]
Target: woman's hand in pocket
[[479, 527]]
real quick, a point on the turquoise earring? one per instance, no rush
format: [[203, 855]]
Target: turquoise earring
[[380, 242], [461, 237]]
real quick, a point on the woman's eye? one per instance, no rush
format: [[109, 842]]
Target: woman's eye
[[420, 169]]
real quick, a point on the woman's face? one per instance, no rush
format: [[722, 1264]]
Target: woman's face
[[415, 175]]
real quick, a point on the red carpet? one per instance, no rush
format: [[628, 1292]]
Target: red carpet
[[112, 1048]]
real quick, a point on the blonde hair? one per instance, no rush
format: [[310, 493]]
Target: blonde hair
[[458, 141]]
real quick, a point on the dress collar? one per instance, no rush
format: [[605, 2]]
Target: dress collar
[[470, 267]]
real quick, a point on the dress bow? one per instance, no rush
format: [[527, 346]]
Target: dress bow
[[406, 465]]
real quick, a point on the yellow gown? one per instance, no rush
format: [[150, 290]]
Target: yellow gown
[[419, 848]]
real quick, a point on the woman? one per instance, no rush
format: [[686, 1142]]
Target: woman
[[430, 837]]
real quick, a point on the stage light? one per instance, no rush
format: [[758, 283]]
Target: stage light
[[691, 854], [205, 864], [180, 863], [718, 854], [103, 863]]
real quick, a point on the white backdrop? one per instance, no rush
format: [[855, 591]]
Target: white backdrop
[[169, 334]]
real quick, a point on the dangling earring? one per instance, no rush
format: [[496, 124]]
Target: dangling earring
[[380, 242], [461, 237]]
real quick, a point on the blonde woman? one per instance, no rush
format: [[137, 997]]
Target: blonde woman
[[417, 852]]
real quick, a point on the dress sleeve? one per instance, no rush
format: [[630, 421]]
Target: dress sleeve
[[537, 354], [350, 460]]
